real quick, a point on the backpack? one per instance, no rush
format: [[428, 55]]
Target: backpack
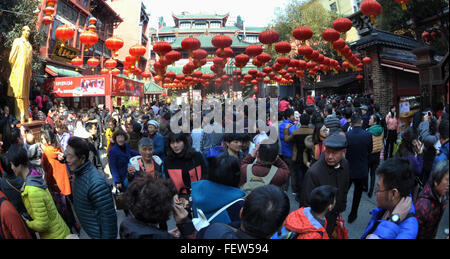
[[254, 182]]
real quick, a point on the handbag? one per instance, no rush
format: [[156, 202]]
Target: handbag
[[340, 231], [201, 221], [119, 199]]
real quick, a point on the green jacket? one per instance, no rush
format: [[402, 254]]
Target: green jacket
[[40, 205]]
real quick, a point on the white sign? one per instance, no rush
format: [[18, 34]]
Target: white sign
[[404, 107]]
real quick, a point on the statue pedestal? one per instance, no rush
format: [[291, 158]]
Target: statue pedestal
[[34, 127]]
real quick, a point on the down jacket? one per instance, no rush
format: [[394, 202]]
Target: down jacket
[[305, 225], [407, 229], [40, 205], [93, 203]]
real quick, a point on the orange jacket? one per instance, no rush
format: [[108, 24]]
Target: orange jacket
[[55, 171], [305, 225]]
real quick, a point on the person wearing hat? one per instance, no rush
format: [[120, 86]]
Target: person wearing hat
[[86, 136], [359, 148], [331, 169], [365, 116], [157, 138]]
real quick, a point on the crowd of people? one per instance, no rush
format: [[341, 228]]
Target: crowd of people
[[223, 185]]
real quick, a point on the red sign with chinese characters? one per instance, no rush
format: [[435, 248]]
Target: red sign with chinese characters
[[98, 85], [126, 87]]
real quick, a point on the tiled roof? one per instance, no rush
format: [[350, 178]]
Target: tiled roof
[[153, 88], [206, 42], [63, 72], [211, 30], [200, 16], [384, 38]]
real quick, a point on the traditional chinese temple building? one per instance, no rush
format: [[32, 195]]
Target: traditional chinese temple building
[[204, 27]]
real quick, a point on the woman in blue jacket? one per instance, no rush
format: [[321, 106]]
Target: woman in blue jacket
[[118, 158]]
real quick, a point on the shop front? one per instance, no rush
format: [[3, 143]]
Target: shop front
[[93, 91]]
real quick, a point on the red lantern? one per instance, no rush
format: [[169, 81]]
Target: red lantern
[[302, 34], [342, 25], [283, 60], [372, 9], [345, 65], [110, 63], [254, 50], [305, 51], [114, 43], [115, 71], [426, 36], [330, 35], [47, 20], [162, 48], [264, 58], [64, 33], [77, 62], [104, 71], [283, 47], [92, 20], [190, 44], [359, 77], [302, 64], [241, 60], [173, 56], [269, 37], [339, 44], [49, 10], [51, 2], [146, 74], [221, 41], [92, 27], [367, 60], [315, 54], [225, 53], [89, 38], [93, 62], [199, 54], [137, 51]]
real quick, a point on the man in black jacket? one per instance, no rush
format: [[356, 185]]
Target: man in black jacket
[[358, 152], [331, 169]]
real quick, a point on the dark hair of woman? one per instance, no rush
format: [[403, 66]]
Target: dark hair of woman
[[406, 148], [188, 151], [119, 132], [50, 137], [150, 200]]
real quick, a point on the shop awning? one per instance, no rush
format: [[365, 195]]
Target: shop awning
[[152, 88], [61, 72]]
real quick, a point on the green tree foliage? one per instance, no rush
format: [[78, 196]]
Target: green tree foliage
[[306, 13], [14, 15], [412, 22]]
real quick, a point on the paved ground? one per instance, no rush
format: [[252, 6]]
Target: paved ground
[[356, 229]]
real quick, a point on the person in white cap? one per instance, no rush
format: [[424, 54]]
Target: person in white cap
[[82, 133]]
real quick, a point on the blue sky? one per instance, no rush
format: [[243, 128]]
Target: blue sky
[[257, 13]]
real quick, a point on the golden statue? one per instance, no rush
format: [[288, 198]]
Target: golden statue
[[21, 58]]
